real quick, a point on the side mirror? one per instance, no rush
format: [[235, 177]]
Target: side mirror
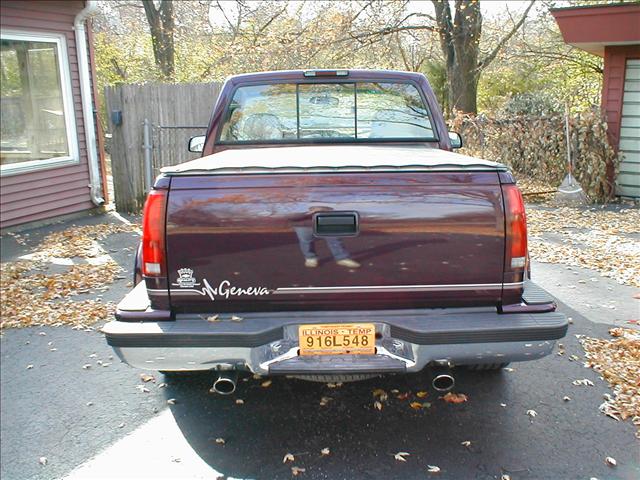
[[196, 144], [455, 139]]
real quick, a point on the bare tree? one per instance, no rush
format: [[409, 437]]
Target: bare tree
[[459, 33], [162, 25]]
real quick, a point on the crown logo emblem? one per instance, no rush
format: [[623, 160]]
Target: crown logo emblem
[[185, 278], [185, 272]]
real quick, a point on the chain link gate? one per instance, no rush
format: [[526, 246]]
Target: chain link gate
[[167, 145]]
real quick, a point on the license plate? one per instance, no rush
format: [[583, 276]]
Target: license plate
[[337, 339]]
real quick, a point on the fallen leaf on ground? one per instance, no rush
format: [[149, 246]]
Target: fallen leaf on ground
[[325, 451], [566, 398], [121, 425], [171, 401], [583, 382], [532, 413], [415, 405], [380, 394], [213, 318], [142, 388], [288, 458], [31, 296], [147, 378], [86, 366], [236, 318], [505, 477], [220, 441], [422, 394], [295, 471], [42, 460], [451, 397], [403, 396], [266, 384], [29, 367], [400, 456], [466, 443], [611, 461], [591, 238], [433, 469], [239, 401], [377, 405], [618, 362]]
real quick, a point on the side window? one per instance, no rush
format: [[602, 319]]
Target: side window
[[261, 113], [392, 110]]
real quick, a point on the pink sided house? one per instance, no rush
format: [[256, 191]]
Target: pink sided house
[[50, 163]]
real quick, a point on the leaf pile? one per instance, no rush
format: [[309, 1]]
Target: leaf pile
[[593, 238], [80, 241], [30, 297], [618, 361]]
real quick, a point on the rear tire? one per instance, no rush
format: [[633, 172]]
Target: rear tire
[[486, 367]]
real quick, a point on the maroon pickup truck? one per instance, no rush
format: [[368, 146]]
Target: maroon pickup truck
[[329, 233]]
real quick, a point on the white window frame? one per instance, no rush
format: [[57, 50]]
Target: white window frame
[[67, 100]]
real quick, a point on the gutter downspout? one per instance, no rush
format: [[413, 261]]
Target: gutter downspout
[[90, 8]]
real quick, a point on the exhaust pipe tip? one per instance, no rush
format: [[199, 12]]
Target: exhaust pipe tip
[[225, 383], [443, 382]]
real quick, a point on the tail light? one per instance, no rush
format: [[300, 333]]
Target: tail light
[[516, 228], [153, 221]]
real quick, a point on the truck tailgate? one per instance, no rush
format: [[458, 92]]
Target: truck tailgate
[[241, 242]]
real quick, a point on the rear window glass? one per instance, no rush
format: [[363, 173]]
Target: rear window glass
[[290, 113]]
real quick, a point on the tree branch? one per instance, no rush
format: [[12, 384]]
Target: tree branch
[[484, 63], [270, 21], [389, 30]]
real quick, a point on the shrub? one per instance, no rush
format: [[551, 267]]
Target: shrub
[[536, 146]]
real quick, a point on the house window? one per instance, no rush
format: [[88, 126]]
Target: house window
[[37, 128]]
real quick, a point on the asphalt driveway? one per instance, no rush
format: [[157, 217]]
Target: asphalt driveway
[[103, 421]]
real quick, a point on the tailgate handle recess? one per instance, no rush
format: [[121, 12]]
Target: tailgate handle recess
[[335, 224]]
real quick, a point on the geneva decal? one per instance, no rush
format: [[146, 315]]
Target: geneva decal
[[187, 283]]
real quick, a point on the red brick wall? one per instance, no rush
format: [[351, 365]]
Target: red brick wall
[[47, 193]]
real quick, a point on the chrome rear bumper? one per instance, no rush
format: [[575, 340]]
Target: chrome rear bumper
[[267, 343]]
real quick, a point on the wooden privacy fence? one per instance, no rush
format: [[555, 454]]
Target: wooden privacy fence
[[175, 111]]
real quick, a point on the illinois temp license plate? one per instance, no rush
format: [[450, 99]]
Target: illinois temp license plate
[[337, 339]]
